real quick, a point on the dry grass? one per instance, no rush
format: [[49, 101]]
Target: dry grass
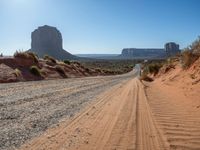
[[191, 54], [61, 71], [188, 58], [26, 55], [145, 77], [49, 58], [154, 68], [17, 72]]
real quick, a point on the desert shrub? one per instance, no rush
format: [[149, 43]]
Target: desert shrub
[[76, 63], [87, 69], [154, 68], [61, 71], [145, 77], [195, 46], [17, 72], [49, 58], [26, 55], [67, 62], [34, 56], [21, 54], [35, 71], [98, 70], [60, 63], [188, 58], [190, 54]]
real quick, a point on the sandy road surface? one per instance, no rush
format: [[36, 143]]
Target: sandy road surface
[[120, 120], [27, 109], [122, 117]]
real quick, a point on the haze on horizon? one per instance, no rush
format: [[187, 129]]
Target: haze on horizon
[[104, 27]]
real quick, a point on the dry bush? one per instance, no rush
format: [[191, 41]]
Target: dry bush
[[35, 71], [188, 58], [61, 71], [195, 47], [145, 77], [191, 54], [49, 58], [17, 72], [67, 62], [26, 55], [76, 63], [154, 68]]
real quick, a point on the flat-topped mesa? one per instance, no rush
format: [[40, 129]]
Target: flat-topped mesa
[[47, 40], [143, 52], [170, 49]]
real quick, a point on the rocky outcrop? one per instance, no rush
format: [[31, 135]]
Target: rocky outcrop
[[7, 74], [172, 49], [47, 40]]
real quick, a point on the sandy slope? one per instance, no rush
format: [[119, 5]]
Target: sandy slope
[[121, 119], [177, 113]]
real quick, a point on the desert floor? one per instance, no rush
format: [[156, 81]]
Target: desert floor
[[111, 113]]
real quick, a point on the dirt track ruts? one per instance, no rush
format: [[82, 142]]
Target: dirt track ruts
[[121, 120], [27, 109], [101, 113]]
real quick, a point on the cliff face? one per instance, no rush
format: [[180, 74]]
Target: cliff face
[[142, 53], [170, 49], [47, 40]]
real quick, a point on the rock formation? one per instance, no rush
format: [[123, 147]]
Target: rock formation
[[47, 40], [143, 53], [170, 49]]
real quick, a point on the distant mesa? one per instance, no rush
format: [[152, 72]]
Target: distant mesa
[[170, 49], [47, 40]]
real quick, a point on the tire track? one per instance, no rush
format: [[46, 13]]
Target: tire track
[[113, 116], [149, 136], [30, 108], [121, 119]]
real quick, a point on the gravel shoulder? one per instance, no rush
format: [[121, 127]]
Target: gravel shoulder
[[28, 109]]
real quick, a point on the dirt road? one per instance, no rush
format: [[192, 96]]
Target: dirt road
[[101, 113], [27, 109], [121, 119]]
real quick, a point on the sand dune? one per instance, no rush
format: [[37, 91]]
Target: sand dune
[[177, 115]]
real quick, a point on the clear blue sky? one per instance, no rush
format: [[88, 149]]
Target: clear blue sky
[[100, 26]]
